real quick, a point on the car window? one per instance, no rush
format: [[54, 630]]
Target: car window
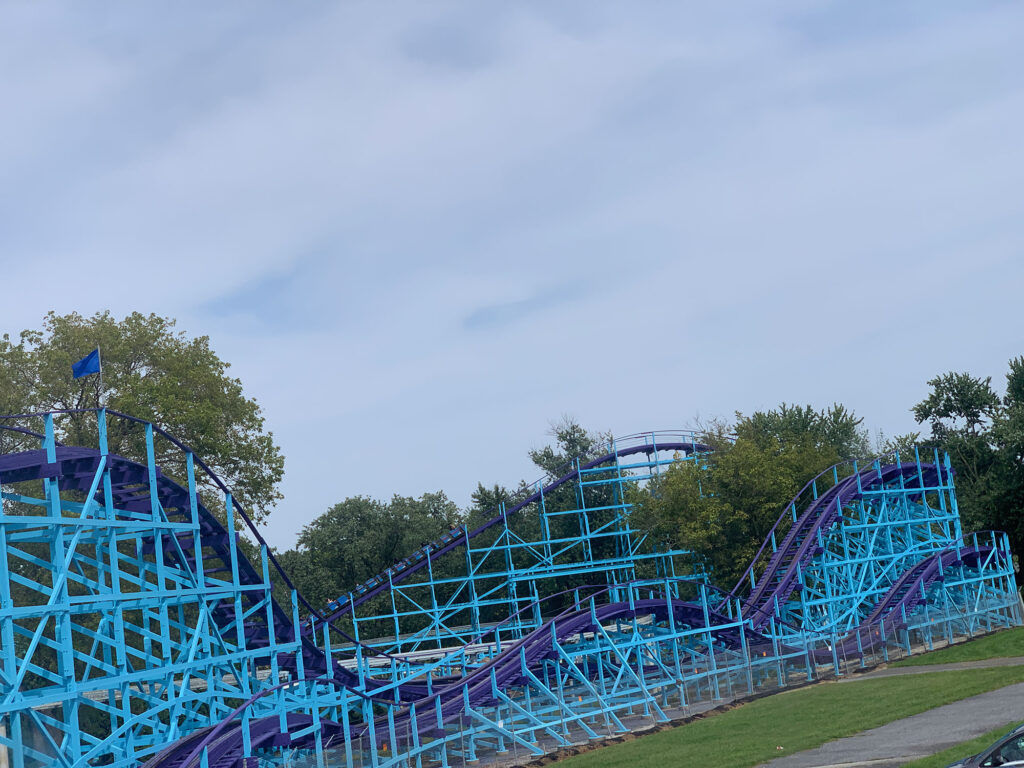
[[1011, 752]]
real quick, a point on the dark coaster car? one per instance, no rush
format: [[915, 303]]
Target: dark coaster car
[[1007, 751]]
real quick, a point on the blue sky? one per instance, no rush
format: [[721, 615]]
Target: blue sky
[[422, 232]]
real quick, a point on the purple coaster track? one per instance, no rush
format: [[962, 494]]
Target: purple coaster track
[[75, 468], [782, 573], [509, 668], [780, 578]]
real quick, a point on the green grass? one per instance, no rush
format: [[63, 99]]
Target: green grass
[[796, 720], [1009, 642], [962, 750]]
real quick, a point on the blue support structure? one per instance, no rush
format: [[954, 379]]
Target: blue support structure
[[136, 627]]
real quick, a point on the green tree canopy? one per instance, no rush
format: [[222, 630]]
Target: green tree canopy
[[155, 373], [723, 508], [984, 436], [571, 441], [961, 409], [1008, 480], [484, 503], [360, 537], [835, 429], [958, 404]]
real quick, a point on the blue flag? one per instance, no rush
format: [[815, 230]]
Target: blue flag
[[87, 365]]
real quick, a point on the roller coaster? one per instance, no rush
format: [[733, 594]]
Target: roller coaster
[[139, 628]]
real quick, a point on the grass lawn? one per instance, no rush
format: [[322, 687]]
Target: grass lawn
[[1009, 642], [962, 750], [796, 720]]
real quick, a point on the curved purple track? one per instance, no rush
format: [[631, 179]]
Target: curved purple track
[[801, 542], [75, 467]]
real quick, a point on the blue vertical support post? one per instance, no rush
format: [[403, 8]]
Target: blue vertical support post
[[746, 652], [435, 612], [811, 669], [474, 610], [440, 727], [545, 526], [414, 731], [780, 664], [300, 666], [59, 597], [346, 727], [470, 753], [158, 549], [275, 671], [906, 632], [229, 509], [713, 662], [676, 665], [10, 660], [884, 641], [108, 555]]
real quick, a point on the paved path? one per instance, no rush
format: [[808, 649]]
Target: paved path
[[920, 735], [1009, 661]]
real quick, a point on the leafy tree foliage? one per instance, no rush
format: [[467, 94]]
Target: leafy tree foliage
[[724, 508], [571, 441], [904, 445], [155, 373], [984, 436], [833, 429], [961, 410], [484, 503], [958, 403], [1008, 480], [360, 537]]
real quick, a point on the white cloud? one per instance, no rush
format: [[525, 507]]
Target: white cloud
[[454, 223]]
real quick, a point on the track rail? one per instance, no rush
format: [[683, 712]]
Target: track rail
[[213, 549]]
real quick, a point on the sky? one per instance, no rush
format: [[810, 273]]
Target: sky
[[421, 233]]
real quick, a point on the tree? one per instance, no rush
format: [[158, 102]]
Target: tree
[[903, 445], [834, 428], [571, 441], [724, 507], [958, 404], [484, 504], [360, 537], [983, 434], [155, 373], [1008, 478], [960, 410]]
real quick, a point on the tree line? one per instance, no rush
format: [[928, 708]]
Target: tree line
[[722, 511], [154, 372], [725, 509]]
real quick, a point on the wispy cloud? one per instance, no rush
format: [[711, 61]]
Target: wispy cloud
[[505, 312], [721, 205]]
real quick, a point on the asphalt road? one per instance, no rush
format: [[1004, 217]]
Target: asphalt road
[[920, 735]]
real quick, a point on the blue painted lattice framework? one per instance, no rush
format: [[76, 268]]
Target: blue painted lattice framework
[[130, 617]]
